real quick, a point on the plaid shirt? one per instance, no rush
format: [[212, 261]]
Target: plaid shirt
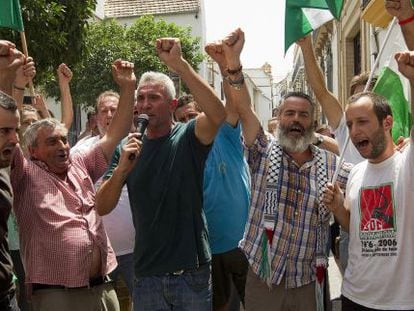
[[58, 223], [294, 240]]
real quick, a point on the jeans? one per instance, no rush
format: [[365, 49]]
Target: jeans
[[125, 269], [190, 291]]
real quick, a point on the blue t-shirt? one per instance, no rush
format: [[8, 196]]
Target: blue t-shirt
[[226, 190]]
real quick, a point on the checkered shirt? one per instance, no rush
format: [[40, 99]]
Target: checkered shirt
[[58, 223], [293, 251]]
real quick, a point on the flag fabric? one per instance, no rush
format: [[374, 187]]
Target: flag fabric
[[390, 86], [11, 15], [394, 87], [304, 16]]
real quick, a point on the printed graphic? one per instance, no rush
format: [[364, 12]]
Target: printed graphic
[[377, 211], [378, 226]]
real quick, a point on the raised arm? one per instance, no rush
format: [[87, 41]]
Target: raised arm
[[326, 142], [207, 123], [65, 76], [123, 73], [329, 103], [404, 11], [108, 194], [215, 51], [39, 103], [24, 74], [10, 60], [405, 61], [233, 46]]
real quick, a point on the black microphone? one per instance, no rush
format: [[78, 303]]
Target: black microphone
[[141, 126]]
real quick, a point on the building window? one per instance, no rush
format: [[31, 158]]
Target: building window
[[357, 54]]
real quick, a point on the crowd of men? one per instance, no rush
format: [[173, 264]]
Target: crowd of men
[[205, 210]]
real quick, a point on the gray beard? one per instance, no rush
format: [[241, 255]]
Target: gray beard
[[294, 145]]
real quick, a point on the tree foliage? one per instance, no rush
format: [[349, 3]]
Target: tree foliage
[[107, 41], [55, 32]]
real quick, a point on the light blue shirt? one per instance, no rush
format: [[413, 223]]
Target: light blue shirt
[[226, 190]]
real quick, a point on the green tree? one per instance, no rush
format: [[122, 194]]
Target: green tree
[[55, 32], [107, 41]]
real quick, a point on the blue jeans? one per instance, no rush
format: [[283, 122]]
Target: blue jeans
[[125, 268], [189, 291]]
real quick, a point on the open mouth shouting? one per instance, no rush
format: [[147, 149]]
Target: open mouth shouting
[[296, 129], [62, 156], [7, 151], [361, 144]]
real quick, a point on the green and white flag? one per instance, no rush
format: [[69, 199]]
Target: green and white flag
[[11, 15], [304, 16], [394, 87], [390, 86]]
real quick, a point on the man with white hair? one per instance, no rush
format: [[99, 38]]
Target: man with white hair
[[165, 183], [65, 250]]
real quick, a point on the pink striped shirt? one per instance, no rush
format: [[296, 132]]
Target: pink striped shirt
[[58, 223]]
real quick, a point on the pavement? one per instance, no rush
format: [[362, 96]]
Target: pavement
[[335, 282]]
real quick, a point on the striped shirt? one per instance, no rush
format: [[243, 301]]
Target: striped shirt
[[293, 250], [57, 220]]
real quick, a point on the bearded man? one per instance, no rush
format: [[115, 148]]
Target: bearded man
[[286, 235]]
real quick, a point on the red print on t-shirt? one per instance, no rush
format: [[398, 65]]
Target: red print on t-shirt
[[377, 211]]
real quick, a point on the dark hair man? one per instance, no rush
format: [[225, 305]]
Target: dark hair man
[[377, 209]]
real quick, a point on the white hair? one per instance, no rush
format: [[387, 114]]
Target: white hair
[[30, 135], [158, 78]]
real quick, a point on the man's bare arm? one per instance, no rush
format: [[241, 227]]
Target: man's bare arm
[[65, 76], [123, 73], [329, 103], [207, 123], [108, 194], [403, 10]]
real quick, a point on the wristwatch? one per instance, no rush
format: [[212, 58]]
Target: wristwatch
[[319, 140]]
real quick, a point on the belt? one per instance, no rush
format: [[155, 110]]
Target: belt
[[182, 271], [92, 283]]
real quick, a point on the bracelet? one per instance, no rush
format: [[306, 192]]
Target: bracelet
[[19, 88], [406, 21], [234, 71], [236, 83]]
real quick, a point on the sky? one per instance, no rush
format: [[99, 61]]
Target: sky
[[263, 24]]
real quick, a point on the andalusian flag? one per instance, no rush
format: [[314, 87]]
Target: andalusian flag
[[390, 86], [304, 16], [11, 15], [394, 87]]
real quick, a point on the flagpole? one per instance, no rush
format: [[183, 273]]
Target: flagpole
[[26, 53], [371, 75]]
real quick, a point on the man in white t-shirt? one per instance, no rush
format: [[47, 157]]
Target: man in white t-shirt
[[377, 209], [118, 224]]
